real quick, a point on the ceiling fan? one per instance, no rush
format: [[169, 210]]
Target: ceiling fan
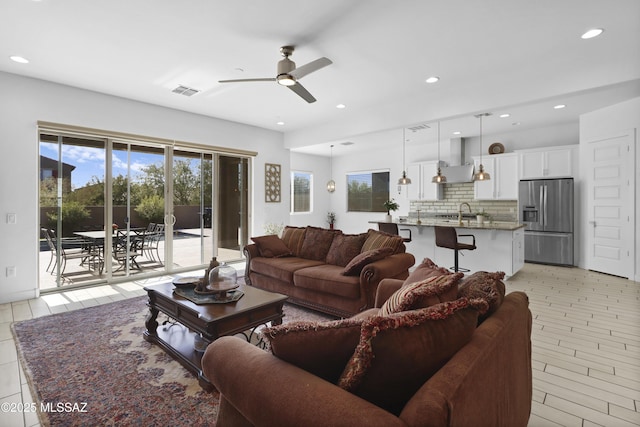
[[288, 75]]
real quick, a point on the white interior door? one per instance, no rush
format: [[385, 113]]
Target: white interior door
[[610, 198]]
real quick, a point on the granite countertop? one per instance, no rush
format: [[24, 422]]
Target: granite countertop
[[466, 223]]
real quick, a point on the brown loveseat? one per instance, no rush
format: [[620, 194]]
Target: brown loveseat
[[487, 381], [324, 269]]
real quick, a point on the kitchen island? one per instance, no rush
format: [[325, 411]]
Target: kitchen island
[[500, 244]]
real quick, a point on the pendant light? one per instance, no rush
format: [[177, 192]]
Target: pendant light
[[404, 180], [481, 175], [331, 185], [439, 178]]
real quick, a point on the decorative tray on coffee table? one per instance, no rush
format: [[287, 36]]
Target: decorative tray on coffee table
[[230, 294]]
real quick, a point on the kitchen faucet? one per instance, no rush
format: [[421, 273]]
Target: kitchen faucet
[[460, 211]]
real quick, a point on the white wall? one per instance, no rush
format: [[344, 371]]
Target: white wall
[[606, 121], [24, 101], [319, 166]]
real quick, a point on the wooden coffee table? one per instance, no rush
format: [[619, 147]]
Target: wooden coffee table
[[255, 308]]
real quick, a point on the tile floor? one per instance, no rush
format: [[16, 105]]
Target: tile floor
[[586, 345]]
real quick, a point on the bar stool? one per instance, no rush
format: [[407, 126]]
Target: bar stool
[[447, 237], [392, 228]]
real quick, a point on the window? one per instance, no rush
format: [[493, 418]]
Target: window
[[301, 193], [367, 191]]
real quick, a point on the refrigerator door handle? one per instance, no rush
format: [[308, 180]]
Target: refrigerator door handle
[[545, 205], [541, 206]]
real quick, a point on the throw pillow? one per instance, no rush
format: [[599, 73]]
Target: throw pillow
[[425, 293], [425, 270], [378, 239], [488, 286], [356, 265], [396, 354], [293, 238], [322, 348], [344, 248], [316, 243], [271, 246]]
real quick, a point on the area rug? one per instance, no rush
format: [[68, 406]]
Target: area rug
[[92, 367]]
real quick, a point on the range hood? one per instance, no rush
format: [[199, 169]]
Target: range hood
[[457, 172]]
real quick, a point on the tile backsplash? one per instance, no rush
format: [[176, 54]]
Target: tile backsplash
[[454, 194]]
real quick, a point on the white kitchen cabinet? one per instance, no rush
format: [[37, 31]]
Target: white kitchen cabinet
[[553, 162], [503, 184], [421, 187]]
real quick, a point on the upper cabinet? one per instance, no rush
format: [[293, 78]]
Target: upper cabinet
[[421, 187], [503, 184], [552, 162]]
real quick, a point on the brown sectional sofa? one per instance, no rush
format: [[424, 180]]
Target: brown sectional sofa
[[485, 381], [309, 266]]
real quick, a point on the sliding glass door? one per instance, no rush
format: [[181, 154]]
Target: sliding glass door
[[72, 202], [112, 209], [137, 209], [192, 209]]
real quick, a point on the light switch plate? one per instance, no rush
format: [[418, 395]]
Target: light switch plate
[[11, 218]]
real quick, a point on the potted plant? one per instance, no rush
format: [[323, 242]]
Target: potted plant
[[331, 219], [481, 216], [390, 205]]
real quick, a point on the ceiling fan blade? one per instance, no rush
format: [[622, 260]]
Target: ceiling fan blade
[[248, 80], [302, 92], [312, 66]]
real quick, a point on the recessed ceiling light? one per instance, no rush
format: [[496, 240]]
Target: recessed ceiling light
[[19, 59], [341, 106], [280, 123], [505, 115], [559, 106], [457, 132], [432, 79], [594, 32]]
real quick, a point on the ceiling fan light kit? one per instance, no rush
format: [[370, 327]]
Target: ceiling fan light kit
[[288, 74]]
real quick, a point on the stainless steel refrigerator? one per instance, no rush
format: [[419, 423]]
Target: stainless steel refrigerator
[[546, 208]]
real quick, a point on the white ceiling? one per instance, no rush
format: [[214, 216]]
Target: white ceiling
[[516, 56]]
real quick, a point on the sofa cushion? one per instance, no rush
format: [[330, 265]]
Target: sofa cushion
[[425, 270], [396, 354], [378, 239], [271, 246], [328, 279], [356, 265], [488, 286], [316, 243], [322, 348], [428, 292], [281, 268], [293, 238], [344, 248]]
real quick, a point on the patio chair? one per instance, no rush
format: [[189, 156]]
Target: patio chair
[[75, 249], [127, 249], [152, 241]]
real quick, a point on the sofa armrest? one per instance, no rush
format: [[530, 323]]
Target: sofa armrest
[[395, 266], [489, 379], [250, 251], [268, 391], [386, 288]]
